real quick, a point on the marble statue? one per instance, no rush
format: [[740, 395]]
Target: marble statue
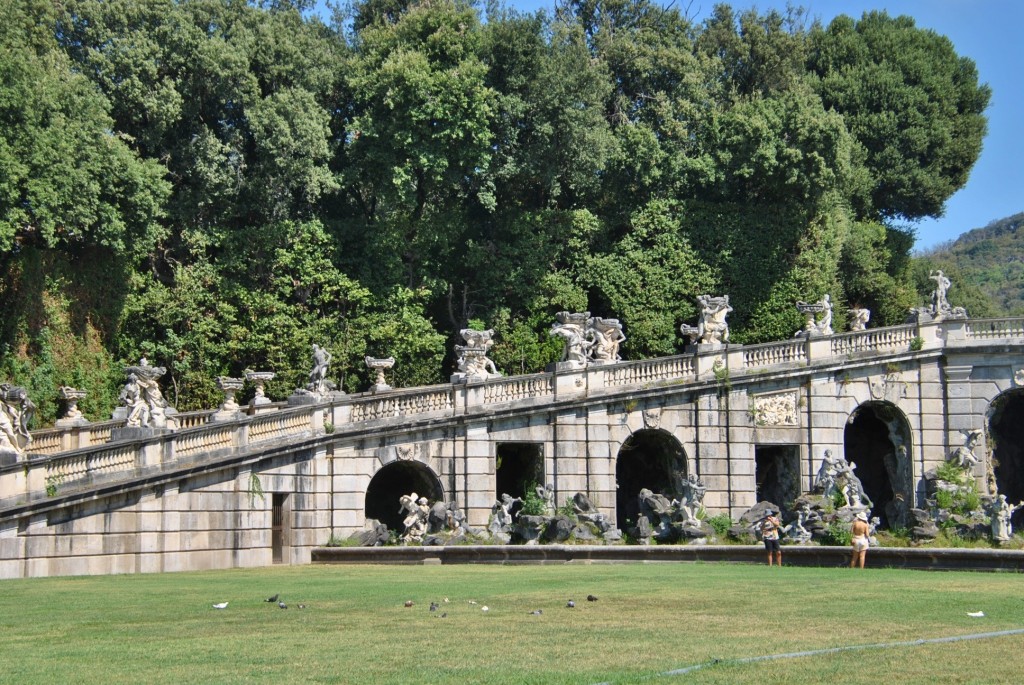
[[822, 325], [853, 489], [859, 317], [502, 516], [826, 482], [797, 532], [547, 493], [138, 409], [873, 525], [712, 328], [141, 396], [416, 514], [571, 328], [318, 383], [1001, 511], [691, 333], [964, 456], [16, 411], [837, 475], [692, 500], [473, 362], [606, 335], [940, 305]]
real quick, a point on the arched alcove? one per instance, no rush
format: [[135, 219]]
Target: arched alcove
[[651, 459], [877, 442], [394, 480], [1006, 440]]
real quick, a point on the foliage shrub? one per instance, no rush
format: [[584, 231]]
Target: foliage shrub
[[533, 504], [720, 523], [965, 498], [837, 533]]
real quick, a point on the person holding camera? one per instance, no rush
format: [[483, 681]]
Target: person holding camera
[[769, 527]]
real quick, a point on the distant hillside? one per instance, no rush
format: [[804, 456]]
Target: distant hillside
[[992, 259]]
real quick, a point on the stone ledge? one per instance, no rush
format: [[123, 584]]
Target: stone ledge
[[930, 559]]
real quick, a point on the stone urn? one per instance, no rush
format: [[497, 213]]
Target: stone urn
[[379, 366], [259, 379]]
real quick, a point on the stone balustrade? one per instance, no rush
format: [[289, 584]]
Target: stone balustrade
[[648, 371], [875, 340], [992, 329], [61, 439], [411, 402], [44, 475], [518, 388], [78, 455], [773, 354]]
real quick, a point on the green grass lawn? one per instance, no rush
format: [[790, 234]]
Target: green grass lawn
[[649, 619]]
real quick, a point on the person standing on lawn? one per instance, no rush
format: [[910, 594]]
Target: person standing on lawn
[[860, 531], [770, 525]]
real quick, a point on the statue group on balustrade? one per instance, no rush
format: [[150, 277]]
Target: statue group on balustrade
[[588, 340]]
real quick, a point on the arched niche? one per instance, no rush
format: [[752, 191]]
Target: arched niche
[[1006, 442], [651, 459], [877, 441], [394, 480]]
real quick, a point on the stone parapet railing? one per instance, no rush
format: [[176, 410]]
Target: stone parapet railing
[[922, 558], [411, 402], [517, 388], [648, 371], [61, 439], [129, 456], [772, 354], [993, 329], [73, 454], [875, 340], [85, 464]]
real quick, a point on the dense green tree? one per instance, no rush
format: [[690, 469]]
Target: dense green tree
[[419, 143], [874, 271], [66, 177], [219, 184], [912, 103], [650, 281]]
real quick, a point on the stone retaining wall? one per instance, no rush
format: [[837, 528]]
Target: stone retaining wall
[[929, 559]]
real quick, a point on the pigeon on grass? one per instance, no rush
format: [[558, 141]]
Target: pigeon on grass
[[272, 599], [222, 605]]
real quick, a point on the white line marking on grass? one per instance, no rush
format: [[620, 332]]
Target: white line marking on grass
[[836, 650]]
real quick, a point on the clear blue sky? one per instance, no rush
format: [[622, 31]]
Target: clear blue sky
[[988, 32]]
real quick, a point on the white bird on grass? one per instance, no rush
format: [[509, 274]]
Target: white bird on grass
[[222, 605], [976, 614]]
